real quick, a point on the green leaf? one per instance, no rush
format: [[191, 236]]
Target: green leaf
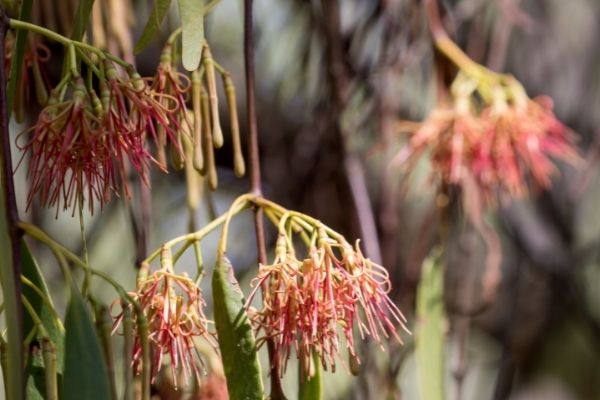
[[17, 61], [82, 18], [430, 328], [85, 375], [31, 271], [236, 339], [156, 17], [192, 35], [35, 386], [311, 388]]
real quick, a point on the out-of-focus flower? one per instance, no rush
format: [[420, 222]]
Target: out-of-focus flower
[[518, 147], [506, 148], [307, 303], [173, 305]]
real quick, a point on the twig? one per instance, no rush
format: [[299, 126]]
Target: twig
[[339, 77], [12, 214], [255, 181], [366, 220]]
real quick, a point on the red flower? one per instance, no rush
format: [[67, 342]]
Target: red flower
[[70, 154], [173, 305], [306, 302], [506, 149], [170, 88], [138, 111], [519, 145]]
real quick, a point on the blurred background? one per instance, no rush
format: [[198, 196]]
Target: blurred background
[[336, 81]]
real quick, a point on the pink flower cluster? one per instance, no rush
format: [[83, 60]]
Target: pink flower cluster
[[83, 146], [173, 305], [307, 303], [505, 149]]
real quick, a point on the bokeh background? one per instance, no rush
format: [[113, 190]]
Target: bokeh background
[[336, 81]]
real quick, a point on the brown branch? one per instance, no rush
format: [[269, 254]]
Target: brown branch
[[255, 183], [255, 180], [8, 185], [339, 77]]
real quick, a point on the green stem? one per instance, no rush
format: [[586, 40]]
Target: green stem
[[128, 351], [34, 316], [242, 202], [194, 236], [10, 242], [65, 41], [199, 262], [50, 369], [88, 274], [45, 300]]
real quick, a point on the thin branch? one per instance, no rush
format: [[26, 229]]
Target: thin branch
[[255, 183], [255, 180], [8, 185]]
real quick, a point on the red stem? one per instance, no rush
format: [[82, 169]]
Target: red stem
[[255, 180]]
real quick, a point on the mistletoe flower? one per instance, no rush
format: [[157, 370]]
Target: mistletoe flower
[[306, 303], [449, 134], [126, 142], [173, 305], [506, 148], [170, 88], [371, 285], [137, 110], [520, 141], [70, 156]]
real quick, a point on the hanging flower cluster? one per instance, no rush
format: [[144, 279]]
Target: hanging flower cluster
[[307, 302], [174, 307], [492, 136], [94, 132]]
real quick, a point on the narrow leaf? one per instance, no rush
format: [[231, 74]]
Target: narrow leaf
[[85, 375], [430, 331], [17, 61], [159, 11], [236, 339], [35, 380], [82, 18], [31, 271], [192, 35]]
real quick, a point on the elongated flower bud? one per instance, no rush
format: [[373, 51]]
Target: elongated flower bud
[[198, 157], [209, 169], [238, 157], [211, 84]]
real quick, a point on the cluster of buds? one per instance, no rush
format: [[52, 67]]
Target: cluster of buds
[[93, 133], [493, 137], [307, 303], [174, 308], [198, 130]]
